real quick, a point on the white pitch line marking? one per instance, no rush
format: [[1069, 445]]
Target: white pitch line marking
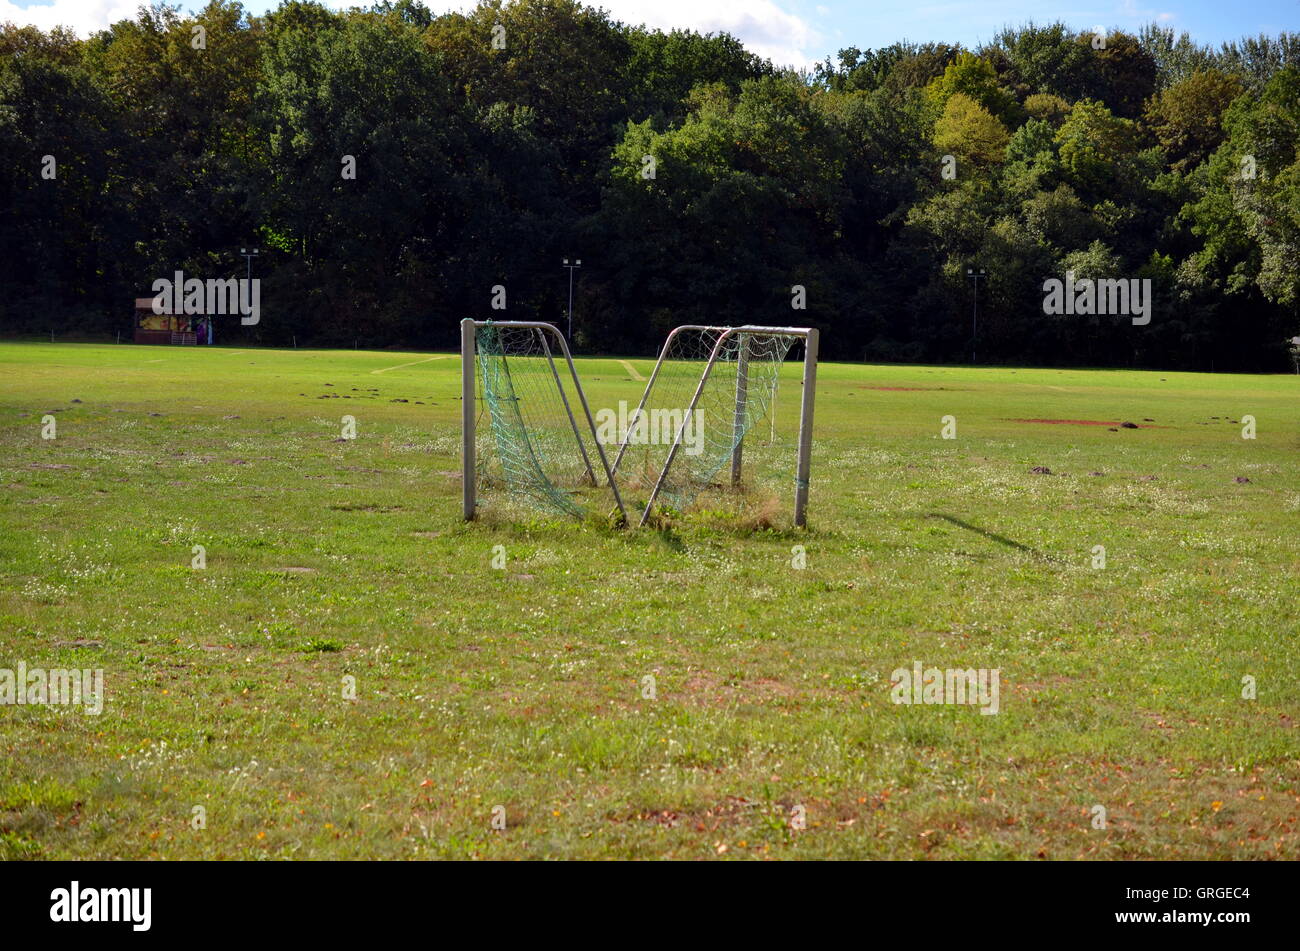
[[631, 369], [441, 356]]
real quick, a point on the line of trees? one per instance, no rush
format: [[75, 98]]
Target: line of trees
[[395, 166]]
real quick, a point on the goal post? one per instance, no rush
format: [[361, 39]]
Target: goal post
[[537, 439], [742, 394], [468, 409], [732, 374], [803, 465]]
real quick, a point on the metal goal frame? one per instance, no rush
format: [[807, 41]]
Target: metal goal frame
[[809, 335], [469, 415]]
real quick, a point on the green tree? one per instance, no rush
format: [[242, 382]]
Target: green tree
[[365, 185], [969, 131], [1047, 59], [1048, 107], [1248, 209], [1060, 220], [976, 79], [60, 133], [744, 203], [1123, 75], [1185, 116], [1092, 143]]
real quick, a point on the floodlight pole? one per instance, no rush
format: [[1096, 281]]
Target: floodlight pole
[[577, 263], [248, 256], [975, 275]]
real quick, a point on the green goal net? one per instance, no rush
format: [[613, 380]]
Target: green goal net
[[538, 449]]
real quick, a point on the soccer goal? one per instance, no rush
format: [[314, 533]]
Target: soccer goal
[[706, 427], [540, 449]]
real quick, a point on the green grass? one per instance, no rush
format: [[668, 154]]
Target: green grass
[[521, 687]]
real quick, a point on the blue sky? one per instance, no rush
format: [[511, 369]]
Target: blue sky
[[802, 31]]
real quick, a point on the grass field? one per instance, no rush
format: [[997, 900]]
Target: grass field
[[522, 688]]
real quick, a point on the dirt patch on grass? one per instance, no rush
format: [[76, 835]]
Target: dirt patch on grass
[[707, 689], [909, 389], [728, 813], [1052, 682], [1085, 422]]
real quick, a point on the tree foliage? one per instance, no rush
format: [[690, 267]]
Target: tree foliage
[[697, 181]]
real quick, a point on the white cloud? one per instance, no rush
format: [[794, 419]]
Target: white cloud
[[762, 25], [82, 16], [1130, 9]]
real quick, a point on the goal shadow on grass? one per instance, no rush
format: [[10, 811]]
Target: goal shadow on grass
[[994, 536]]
